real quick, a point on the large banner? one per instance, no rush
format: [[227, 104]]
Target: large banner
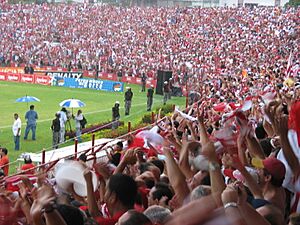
[[25, 78], [65, 74], [103, 85]]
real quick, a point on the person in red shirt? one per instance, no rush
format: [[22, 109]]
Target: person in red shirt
[[4, 161], [120, 194], [28, 165]]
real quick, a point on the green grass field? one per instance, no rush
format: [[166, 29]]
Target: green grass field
[[98, 109]]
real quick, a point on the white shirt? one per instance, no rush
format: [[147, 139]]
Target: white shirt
[[16, 125], [63, 119], [77, 120]]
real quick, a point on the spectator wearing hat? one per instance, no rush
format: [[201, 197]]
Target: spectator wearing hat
[[150, 93], [28, 165], [271, 172], [166, 90], [55, 127], [4, 161], [128, 98], [115, 115]]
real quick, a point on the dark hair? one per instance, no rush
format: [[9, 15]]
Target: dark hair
[[116, 157], [31, 107], [70, 214], [27, 160], [120, 144], [162, 189], [136, 218], [275, 182], [124, 187], [149, 183], [176, 124], [83, 157], [143, 167], [158, 163], [260, 131], [266, 146], [4, 150]]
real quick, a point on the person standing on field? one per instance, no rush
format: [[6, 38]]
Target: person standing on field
[[128, 98], [31, 116], [78, 127], [115, 115], [55, 127], [16, 128], [63, 119], [150, 93]]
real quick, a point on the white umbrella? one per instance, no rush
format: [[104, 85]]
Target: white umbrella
[[72, 103], [27, 99]]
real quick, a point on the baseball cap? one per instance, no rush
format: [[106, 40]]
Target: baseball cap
[[272, 165]]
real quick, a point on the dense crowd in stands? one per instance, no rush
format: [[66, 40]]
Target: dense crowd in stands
[[230, 158], [187, 41]]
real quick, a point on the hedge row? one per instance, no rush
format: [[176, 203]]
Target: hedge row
[[145, 121]]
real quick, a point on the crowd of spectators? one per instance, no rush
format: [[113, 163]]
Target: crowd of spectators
[[187, 41], [231, 157]]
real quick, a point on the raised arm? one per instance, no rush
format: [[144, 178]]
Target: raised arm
[[184, 158], [177, 179], [92, 203], [216, 177]]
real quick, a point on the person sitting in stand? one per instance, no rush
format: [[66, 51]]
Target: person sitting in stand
[[4, 161], [28, 165]]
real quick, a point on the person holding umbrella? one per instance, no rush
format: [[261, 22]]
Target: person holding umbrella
[[63, 119], [31, 116]]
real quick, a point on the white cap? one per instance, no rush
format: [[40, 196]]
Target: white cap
[[165, 82], [117, 102], [127, 88]]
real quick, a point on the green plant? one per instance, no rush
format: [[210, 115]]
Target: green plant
[[109, 133]]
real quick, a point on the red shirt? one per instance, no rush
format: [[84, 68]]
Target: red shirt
[[3, 164], [109, 221], [28, 166]]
